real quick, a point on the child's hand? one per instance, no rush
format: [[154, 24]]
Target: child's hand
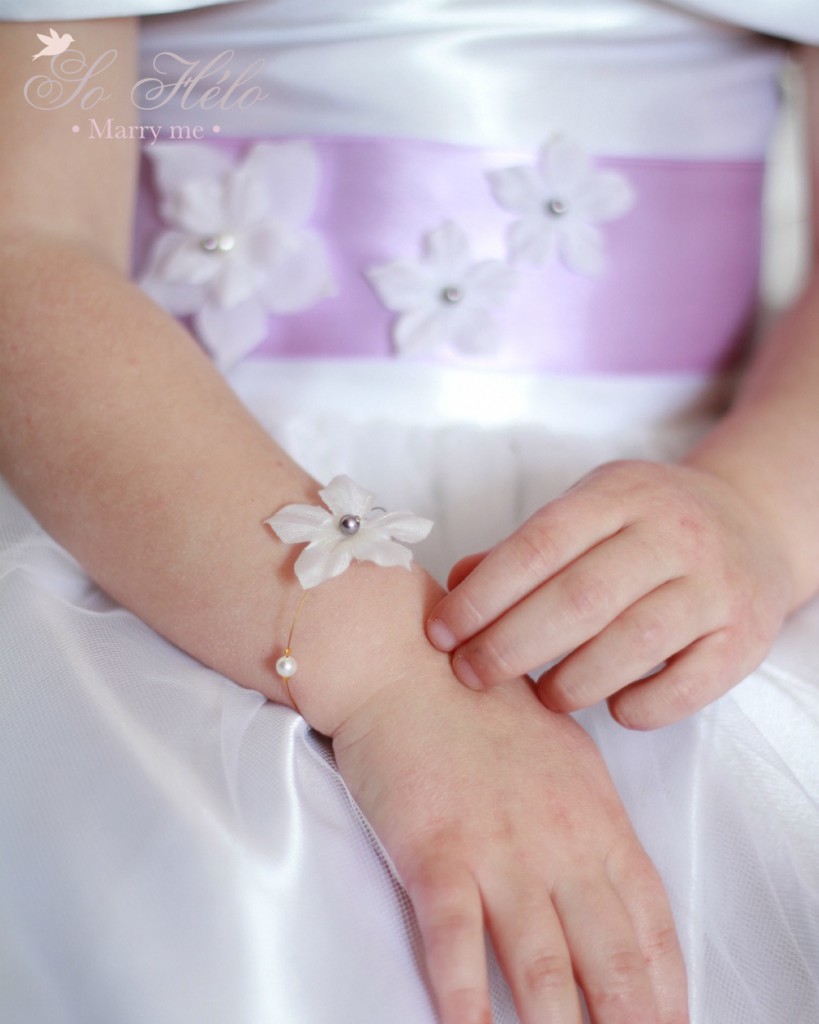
[[498, 815], [639, 567]]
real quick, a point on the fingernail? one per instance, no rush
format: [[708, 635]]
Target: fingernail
[[441, 635], [464, 671]]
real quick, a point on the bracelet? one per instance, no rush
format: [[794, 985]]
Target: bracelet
[[350, 527]]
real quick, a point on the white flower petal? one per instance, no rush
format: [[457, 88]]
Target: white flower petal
[[329, 551], [382, 551], [402, 526], [247, 199], [197, 207], [490, 283], [532, 240], [344, 496], [517, 188], [421, 330], [300, 277], [605, 196], [402, 286], [237, 280], [582, 249], [175, 165], [563, 165], [321, 561], [229, 334], [185, 262], [299, 524], [179, 299], [447, 249], [476, 333], [291, 172]]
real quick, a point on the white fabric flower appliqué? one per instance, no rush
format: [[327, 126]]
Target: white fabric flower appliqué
[[350, 529], [238, 248], [445, 298], [561, 199]]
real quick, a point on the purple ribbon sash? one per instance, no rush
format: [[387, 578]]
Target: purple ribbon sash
[[679, 292]]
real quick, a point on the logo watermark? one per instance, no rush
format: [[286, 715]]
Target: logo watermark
[[212, 85]]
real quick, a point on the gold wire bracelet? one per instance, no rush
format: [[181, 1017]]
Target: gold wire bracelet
[[350, 527], [287, 666]]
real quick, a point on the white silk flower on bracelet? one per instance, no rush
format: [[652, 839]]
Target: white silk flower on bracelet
[[350, 527]]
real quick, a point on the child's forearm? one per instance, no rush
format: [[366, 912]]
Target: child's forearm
[[768, 445], [132, 451]]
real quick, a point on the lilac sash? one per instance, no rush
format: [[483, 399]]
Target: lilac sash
[[678, 294]]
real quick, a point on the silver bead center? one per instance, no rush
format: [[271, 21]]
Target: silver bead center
[[349, 524], [556, 207], [452, 294], [217, 243]]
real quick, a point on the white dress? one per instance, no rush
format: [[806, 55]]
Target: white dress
[[174, 848]]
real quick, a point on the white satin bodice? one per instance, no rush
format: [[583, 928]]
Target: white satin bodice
[[625, 77]]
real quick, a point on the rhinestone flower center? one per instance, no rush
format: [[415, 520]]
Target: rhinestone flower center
[[556, 207], [218, 243], [451, 294]]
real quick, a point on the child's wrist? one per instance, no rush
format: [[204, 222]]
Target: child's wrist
[[356, 635]]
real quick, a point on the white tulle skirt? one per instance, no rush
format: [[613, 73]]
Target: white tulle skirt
[[174, 849]]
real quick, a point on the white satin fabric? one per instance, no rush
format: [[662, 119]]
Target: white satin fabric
[[487, 73], [479, 71], [177, 850]]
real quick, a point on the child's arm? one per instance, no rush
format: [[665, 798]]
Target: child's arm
[[130, 449], [639, 564]]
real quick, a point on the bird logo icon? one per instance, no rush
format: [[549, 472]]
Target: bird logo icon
[[54, 44]]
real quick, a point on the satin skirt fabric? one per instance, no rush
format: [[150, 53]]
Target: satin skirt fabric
[[175, 849]]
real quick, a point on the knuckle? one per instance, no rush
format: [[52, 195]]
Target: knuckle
[[468, 1003], [685, 691], [445, 924], [585, 596], [536, 547], [623, 471], [660, 944], [436, 881], [548, 972], [623, 981], [648, 638], [624, 968]]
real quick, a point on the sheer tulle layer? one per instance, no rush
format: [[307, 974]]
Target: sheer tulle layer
[[175, 849]]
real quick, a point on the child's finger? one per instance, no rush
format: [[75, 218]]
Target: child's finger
[[533, 955], [699, 675], [448, 908], [546, 543], [607, 958], [565, 612], [643, 637], [460, 570], [644, 895]]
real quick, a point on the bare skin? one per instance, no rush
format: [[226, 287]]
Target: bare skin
[[692, 567], [131, 450]]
